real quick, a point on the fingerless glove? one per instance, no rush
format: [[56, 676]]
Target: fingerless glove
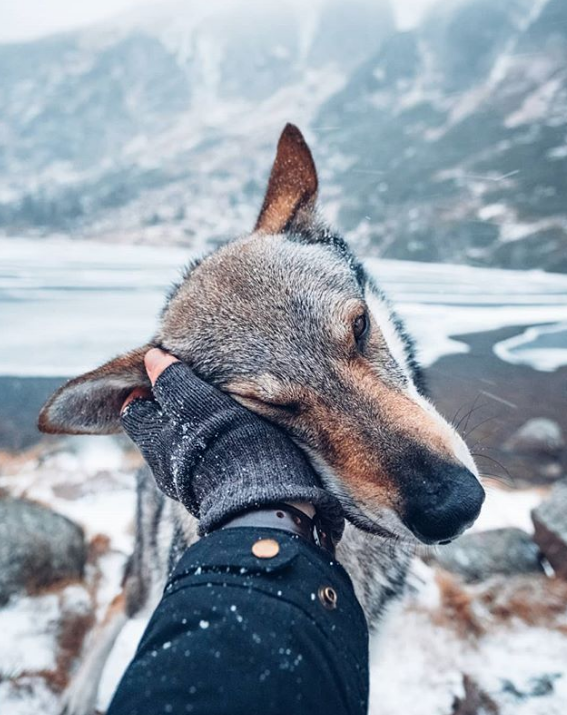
[[216, 457]]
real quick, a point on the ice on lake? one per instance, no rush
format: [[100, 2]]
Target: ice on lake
[[66, 306]]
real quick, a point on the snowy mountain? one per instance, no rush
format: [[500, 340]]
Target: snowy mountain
[[169, 115], [469, 119], [444, 143]]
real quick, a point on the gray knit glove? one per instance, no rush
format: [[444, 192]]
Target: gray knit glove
[[216, 457]]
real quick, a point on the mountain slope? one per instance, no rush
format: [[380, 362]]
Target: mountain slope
[[454, 137], [166, 116], [445, 143]]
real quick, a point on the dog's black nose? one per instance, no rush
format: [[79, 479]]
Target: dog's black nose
[[449, 505]]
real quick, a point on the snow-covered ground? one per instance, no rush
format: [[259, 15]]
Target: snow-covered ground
[[417, 665], [418, 660], [91, 481], [84, 302]]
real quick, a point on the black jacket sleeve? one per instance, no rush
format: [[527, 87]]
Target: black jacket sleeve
[[236, 634]]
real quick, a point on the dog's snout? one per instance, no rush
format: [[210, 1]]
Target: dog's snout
[[449, 505]]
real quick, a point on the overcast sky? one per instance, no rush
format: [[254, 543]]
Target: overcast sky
[[27, 19]]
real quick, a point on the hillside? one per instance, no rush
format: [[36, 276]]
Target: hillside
[[454, 137], [445, 143]]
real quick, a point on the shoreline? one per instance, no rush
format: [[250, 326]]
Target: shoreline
[[503, 396]]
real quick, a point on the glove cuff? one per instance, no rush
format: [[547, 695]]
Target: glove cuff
[[236, 497]]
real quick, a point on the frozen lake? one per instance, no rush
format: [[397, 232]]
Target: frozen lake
[[66, 306]]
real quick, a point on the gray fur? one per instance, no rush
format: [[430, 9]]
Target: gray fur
[[269, 318]]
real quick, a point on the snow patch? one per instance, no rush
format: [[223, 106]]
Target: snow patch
[[29, 696], [28, 634], [505, 508], [535, 106], [544, 347], [490, 211]]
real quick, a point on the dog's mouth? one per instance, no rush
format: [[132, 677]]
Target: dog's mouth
[[435, 515], [420, 524], [364, 522], [385, 523], [389, 525]]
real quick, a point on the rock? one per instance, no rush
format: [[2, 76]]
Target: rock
[[536, 687], [477, 556], [550, 522], [37, 547], [537, 436], [474, 701]]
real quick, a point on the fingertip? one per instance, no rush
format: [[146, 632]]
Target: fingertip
[[156, 361]]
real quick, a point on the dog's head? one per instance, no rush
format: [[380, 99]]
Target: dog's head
[[287, 322]]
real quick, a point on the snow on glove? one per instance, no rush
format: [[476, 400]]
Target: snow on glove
[[216, 457]]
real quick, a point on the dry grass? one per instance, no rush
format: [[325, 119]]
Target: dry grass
[[472, 610]]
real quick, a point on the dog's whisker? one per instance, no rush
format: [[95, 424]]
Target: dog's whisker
[[469, 413], [479, 424], [509, 478], [466, 416], [455, 425]]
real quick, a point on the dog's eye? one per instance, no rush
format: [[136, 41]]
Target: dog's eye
[[360, 327]]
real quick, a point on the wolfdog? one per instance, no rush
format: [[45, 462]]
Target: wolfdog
[[288, 323]]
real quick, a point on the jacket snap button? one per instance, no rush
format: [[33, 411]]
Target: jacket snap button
[[266, 548], [328, 597]]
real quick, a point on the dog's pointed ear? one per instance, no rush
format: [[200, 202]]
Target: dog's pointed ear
[[91, 403], [292, 188]]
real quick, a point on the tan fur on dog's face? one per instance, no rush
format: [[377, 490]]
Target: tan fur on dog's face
[[271, 318]]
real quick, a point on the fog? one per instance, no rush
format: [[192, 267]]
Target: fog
[[29, 19]]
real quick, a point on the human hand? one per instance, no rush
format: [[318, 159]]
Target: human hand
[[213, 455]]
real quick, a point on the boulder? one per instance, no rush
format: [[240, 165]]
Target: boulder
[[37, 547], [474, 700], [550, 524], [538, 436], [477, 556]]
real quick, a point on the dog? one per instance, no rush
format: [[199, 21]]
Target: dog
[[287, 322]]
